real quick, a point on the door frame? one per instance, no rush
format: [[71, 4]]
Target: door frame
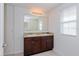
[[1, 29]]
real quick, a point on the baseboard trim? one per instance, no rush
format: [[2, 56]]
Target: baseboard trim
[[15, 54], [1, 51]]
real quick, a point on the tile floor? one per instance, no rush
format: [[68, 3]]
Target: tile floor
[[46, 53]]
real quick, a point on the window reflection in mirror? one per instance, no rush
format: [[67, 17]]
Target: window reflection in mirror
[[33, 23]]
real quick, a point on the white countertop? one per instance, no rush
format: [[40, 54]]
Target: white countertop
[[36, 35]]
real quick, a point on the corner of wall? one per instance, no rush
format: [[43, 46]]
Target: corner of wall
[[58, 52]]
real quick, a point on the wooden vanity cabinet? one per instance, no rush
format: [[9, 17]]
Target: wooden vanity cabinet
[[33, 45]]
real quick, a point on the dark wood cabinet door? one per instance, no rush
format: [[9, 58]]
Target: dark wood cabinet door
[[27, 46], [36, 45], [43, 43], [49, 42]]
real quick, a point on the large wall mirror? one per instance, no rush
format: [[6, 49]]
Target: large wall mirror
[[34, 24]]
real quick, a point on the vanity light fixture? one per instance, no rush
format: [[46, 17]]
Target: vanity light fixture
[[37, 11]]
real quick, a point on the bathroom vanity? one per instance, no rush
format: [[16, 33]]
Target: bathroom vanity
[[37, 42]]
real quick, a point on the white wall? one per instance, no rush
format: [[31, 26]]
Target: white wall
[[19, 28], [63, 44]]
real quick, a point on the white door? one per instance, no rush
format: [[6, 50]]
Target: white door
[[1, 28]]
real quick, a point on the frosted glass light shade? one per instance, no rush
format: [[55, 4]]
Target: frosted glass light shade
[[37, 11]]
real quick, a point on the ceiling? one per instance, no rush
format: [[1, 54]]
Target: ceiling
[[46, 6]]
